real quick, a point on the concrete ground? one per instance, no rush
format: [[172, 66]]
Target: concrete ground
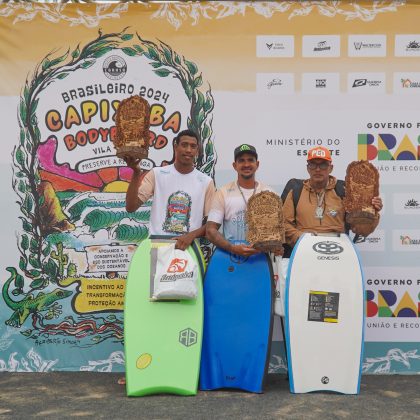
[[60, 395]]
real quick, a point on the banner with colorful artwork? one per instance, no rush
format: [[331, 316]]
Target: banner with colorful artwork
[[283, 76]]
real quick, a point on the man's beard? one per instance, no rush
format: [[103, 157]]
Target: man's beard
[[248, 176]]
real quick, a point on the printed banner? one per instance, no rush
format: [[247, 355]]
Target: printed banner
[[225, 70]]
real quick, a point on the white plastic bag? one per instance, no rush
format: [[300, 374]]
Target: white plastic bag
[[176, 274], [280, 282]]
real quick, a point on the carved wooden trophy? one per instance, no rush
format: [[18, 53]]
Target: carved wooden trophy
[[132, 122], [264, 218], [362, 184]]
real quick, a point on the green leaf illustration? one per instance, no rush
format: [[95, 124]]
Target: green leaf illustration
[[126, 37], [20, 156], [34, 262], [37, 283], [22, 110], [102, 52], [51, 268], [61, 76], [46, 250], [26, 226], [22, 186], [87, 64], [198, 81], [19, 281], [34, 245], [35, 273], [162, 72], [76, 53], [191, 67], [129, 51], [22, 263], [24, 243], [46, 64], [28, 203]]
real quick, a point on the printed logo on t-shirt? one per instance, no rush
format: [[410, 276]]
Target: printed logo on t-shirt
[[239, 219], [178, 215]]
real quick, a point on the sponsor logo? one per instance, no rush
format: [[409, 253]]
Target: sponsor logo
[[367, 45], [274, 82], [408, 83], [407, 45], [366, 82], [361, 82], [114, 67], [407, 203], [321, 83], [322, 46], [387, 304], [360, 45], [413, 46], [275, 46], [328, 247], [372, 243], [188, 337], [407, 240], [412, 204], [177, 265], [388, 147]]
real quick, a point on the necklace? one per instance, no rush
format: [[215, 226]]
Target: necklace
[[243, 196], [319, 211]]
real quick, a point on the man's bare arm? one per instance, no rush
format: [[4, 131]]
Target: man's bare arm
[[184, 241], [216, 238], [132, 200]]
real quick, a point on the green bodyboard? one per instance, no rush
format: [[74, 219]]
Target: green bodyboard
[[162, 340]]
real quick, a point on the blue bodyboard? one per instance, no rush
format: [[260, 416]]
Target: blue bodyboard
[[238, 320]]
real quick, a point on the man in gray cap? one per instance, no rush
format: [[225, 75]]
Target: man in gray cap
[[230, 202]]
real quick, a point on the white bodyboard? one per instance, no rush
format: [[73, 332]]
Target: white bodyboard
[[324, 315]]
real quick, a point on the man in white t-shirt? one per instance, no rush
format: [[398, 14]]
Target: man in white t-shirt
[[230, 202], [182, 195]]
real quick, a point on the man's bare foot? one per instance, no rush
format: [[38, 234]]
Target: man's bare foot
[[121, 381]]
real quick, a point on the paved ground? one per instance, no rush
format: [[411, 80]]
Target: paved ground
[[59, 395]]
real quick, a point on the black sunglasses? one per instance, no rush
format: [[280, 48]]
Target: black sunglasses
[[323, 165]]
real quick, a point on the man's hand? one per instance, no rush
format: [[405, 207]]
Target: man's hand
[[279, 252], [132, 163], [244, 250], [184, 241], [377, 203]]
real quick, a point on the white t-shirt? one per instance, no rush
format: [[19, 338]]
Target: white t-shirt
[[180, 201], [228, 208]]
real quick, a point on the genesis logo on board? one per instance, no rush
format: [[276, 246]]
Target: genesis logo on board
[[330, 249]]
